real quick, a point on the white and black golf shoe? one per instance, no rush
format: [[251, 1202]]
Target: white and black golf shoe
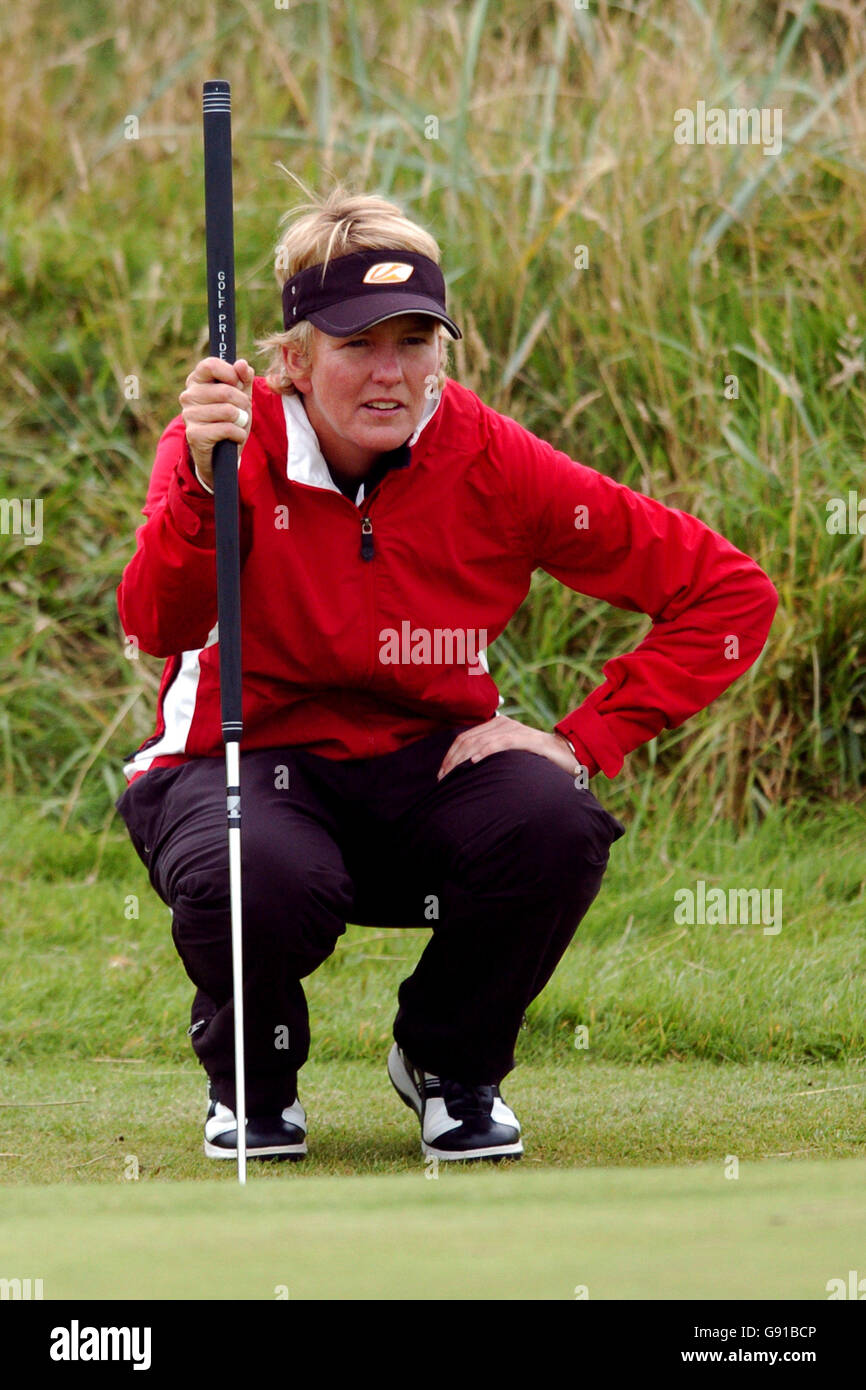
[[268, 1136], [457, 1121]]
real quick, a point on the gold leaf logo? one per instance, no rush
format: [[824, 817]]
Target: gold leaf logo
[[388, 273]]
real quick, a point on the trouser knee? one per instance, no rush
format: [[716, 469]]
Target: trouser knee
[[551, 847], [292, 914]]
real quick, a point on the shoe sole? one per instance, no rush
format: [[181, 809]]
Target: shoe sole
[[297, 1151], [474, 1155], [411, 1099]]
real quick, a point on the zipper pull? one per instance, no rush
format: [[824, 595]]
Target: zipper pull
[[366, 538]]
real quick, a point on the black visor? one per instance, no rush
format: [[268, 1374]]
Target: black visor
[[364, 288]]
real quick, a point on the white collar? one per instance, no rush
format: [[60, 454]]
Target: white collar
[[305, 462]]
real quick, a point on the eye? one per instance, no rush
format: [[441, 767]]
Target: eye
[[424, 339]]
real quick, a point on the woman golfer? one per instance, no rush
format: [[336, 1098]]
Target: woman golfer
[[390, 526]]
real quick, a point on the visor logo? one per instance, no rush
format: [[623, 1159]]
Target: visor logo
[[388, 273]]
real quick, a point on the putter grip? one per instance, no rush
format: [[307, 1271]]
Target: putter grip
[[216, 105]]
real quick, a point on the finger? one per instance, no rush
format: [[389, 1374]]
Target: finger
[[208, 389], [448, 765], [212, 370], [455, 756], [214, 393], [481, 746], [210, 414], [203, 431], [205, 436], [470, 740], [216, 369], [466, 757]]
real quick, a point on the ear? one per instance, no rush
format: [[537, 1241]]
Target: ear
[[298, 367], [440, 360]]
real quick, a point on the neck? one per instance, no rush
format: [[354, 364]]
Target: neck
[[347, 483]]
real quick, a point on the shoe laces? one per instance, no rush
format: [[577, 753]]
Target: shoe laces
[[467, 1102]]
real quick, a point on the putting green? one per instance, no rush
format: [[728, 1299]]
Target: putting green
[[780, 1230]]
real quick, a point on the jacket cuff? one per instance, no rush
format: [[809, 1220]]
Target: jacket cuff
[[201, 482], [190, 469], [189, 503], [593, 744]]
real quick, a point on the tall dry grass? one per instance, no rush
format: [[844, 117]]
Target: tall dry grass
[[555, 130]]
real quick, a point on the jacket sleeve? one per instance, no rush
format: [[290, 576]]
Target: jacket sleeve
[[711, 605], [167, 596]]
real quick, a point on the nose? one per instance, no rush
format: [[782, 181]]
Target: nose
[[386, 364]]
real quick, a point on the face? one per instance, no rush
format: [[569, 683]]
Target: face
[[390, 362]]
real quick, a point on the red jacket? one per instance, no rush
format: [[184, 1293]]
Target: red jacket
[[355, 644]]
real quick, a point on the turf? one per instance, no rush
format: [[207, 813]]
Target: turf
[[89, 969], [780, 1231], [556, 131], [114, 1122]]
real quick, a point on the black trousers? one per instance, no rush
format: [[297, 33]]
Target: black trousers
[[501, 860]]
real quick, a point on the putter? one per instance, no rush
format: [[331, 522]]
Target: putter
[[216, 103]]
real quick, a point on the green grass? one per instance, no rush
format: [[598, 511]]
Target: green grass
[[555, 130], [705, 1042], [701, 1041], [779, 1231], [106, 1121], [83, 979]]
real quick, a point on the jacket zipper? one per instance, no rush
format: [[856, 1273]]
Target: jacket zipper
[[367, 551]]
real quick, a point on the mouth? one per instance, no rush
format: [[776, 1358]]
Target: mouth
[[383, 408]]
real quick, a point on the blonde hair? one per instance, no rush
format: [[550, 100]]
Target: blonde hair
[[333, 226]]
